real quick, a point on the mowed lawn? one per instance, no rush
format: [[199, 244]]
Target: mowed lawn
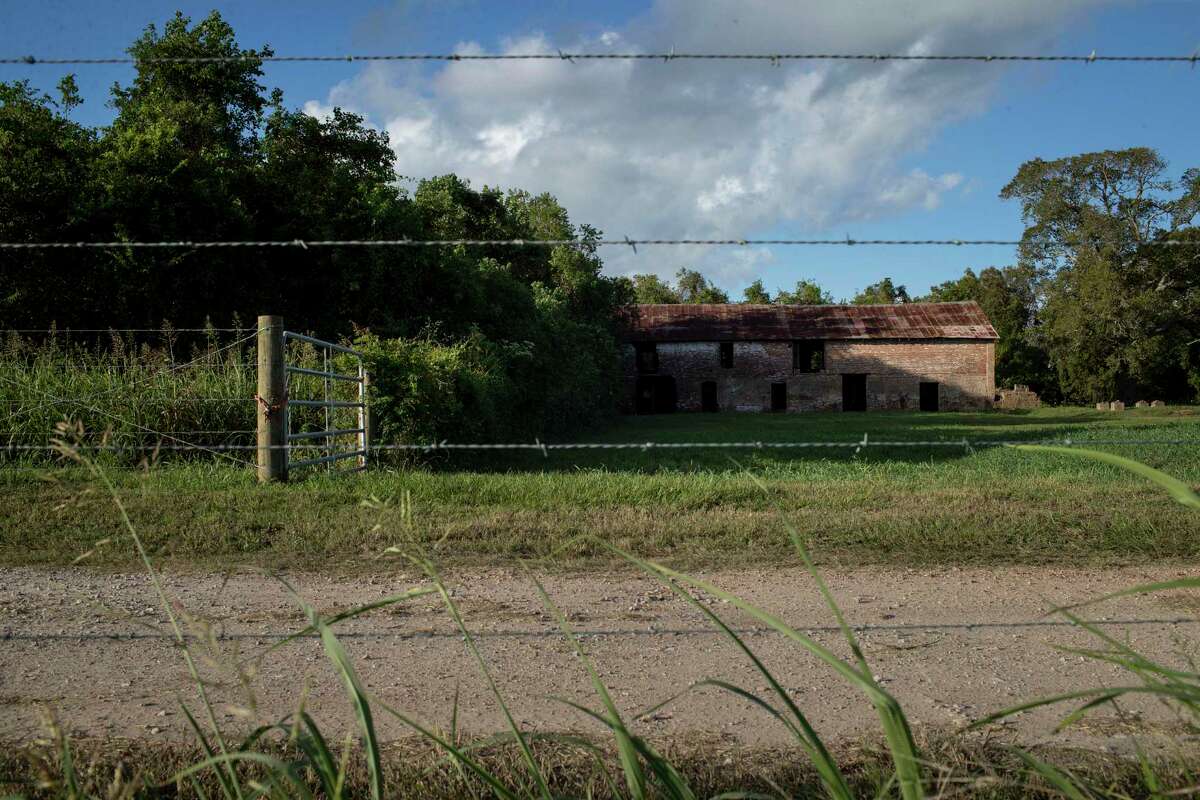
[[873, 505]]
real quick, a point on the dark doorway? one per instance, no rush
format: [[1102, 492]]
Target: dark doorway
[[655, 394], [779, 397], [708, 396], [929, 396], [854, 393]]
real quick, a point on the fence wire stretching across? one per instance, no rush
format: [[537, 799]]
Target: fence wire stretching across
[[546, 448], [570, 57], [555, 632], [633, 243]]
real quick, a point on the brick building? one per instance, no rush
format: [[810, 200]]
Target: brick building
[[737, 357]]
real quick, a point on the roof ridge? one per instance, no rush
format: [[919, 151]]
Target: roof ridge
[[956, 319]]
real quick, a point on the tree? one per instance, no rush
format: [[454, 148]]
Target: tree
[[882, 293], [48, 192], [1113, 202], [1118, 302], [653, 289], [199, 150], [693, 287], [1008, 296], [806, 293], [756, 294]]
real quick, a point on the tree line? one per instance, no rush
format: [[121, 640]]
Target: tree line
[[1104, 300], [489, 341], [511, 340]]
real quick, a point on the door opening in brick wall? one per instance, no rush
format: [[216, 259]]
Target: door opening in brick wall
[[655, 394], [929, 396], [708, 396], [779, 397], [854, 393]]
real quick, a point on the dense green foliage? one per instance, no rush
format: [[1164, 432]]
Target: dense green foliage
[[1119, 311], [885, 292], [202, 151], [806, 293], [689, 287]]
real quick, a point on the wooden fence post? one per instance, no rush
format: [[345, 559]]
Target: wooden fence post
[[271, 401]]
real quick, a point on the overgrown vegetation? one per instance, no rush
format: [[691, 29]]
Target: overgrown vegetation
[[293, 758], [205, 152], [128, 389]]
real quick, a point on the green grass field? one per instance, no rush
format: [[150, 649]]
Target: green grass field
[[881, 505]]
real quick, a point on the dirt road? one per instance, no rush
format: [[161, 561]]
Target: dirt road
[[94, 647]]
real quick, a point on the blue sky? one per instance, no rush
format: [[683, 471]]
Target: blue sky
[[715, 150]]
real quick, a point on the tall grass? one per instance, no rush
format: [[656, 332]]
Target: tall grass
[[292, 758], [151, 396], [196, 388]]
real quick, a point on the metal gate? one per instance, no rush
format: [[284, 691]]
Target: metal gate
[[329, 435]]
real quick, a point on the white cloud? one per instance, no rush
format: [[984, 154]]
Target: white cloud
[[702, 149]]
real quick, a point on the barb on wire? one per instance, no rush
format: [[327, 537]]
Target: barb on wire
[[625, 242], [560, 55]]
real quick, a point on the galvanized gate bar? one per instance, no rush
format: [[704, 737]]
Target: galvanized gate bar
[[322, 374], [325, 434], [321, 343], [328, 404]]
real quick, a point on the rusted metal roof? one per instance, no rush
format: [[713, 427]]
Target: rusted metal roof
[[745, 322]]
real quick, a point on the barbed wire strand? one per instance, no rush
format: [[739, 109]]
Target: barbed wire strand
[[139, 367], [431, 447], [126, 330], [897, 627], [305, 244], [571, 57], [102, 434], [148, 400]]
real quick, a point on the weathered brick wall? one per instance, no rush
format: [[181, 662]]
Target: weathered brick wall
[[894, 369]]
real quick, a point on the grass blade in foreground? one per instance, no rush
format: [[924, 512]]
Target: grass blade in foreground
[[631, 750], [895, 725], [1173, 486], [520, 738], [891, 715], [827, 768]]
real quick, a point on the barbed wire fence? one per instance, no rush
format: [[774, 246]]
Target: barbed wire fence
[[848, 241], [661, 57], [171, 440], [16, 444]]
